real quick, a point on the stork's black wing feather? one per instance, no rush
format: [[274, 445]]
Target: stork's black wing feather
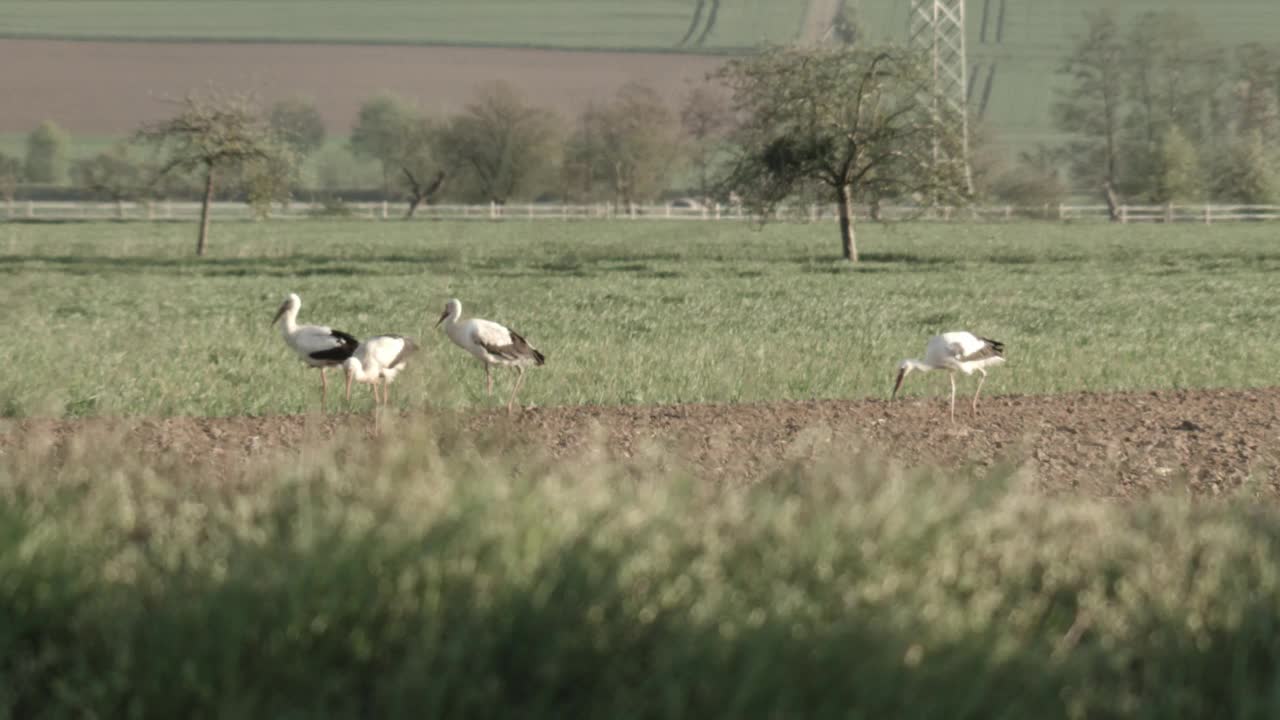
[[990, 348], [346, 347], [518, 349]]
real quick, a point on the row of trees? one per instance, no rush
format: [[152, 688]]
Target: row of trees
[[781, 128], [500, 147], [1161, 113]]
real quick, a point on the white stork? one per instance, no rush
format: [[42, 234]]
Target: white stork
[[954, 351], [316, 345], [492, 343], [378, 358]]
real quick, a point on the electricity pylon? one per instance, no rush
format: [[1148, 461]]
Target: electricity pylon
[[936, 27]]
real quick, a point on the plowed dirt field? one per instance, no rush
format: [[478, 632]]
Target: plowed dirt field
[[108, 88], [1109, 445]]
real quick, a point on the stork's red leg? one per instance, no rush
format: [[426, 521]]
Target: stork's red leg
[[953, 395], [981, 379], [516, 389]]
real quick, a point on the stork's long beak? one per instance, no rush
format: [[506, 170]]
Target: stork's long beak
[[898, 383], [443, 315], [279, 313]]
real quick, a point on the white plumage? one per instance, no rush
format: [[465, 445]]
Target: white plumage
[[378, 360], [955, 351], [318, 346], [492, 344]]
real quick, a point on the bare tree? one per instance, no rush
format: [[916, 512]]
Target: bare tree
[[47, 151], [629, 145], [298, 124], [1092, 106], [214, 133], [500, 143], [379, 133], [1256, 107], [420, 173], [854, 125], [705, 117], [11, 170], [112, 175], [1171, 74]]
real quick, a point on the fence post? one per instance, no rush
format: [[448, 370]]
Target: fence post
[[1124, 214], [1008, 213], [1062, 212], [31, 209], [1208, 213], [1168, 212], [717, 211]]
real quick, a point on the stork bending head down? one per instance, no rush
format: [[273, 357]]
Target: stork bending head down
[[317, 346], [952, 352], [492, 344], [378, 360]]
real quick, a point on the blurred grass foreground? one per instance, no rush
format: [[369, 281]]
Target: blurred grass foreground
[[424, 574]]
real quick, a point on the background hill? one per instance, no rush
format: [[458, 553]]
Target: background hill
[[323, 50]]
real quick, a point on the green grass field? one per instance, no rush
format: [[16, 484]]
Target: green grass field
[[432, 571], [611, 24], [426, 576], [121, 319]]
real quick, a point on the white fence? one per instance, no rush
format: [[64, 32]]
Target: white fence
[[38, 210]]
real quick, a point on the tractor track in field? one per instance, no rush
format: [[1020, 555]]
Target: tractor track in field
[[1103, 444]]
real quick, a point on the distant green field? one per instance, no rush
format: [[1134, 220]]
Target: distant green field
[[655, 24], [122, 319]]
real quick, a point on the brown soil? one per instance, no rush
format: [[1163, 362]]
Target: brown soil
[[1110, 445], [108, 88]]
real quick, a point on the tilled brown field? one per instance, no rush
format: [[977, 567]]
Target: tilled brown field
[[1110, 445], [108, 88]]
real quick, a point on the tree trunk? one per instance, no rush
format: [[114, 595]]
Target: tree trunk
[[414, 201], [1113, 206], [204, 211], [847, 239], [419, 194]]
